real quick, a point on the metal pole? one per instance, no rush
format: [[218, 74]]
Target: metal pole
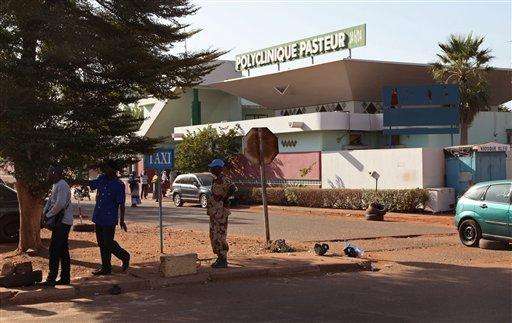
[[263, 187], [160, 216]]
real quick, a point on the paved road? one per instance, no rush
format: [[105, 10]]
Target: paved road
[[291, 227], [406, 292]]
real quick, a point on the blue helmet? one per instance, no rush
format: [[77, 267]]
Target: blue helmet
[[217, 163]]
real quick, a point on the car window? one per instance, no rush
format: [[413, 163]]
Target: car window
[[205, 179], [194, 181], [475, 193], [179, 180], [499, 193]]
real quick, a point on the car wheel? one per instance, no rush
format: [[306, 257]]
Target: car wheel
[[9, 228], [203, 199], [177, 200], [470, 233]]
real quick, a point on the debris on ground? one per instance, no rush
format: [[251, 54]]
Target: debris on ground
[[115, 290], [352, 251], [280, 246], [19, 275], [321, 249], [375, 212]]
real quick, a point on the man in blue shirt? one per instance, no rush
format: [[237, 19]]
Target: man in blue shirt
[[109, 209]]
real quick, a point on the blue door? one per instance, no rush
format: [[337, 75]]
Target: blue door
[[490, 166]]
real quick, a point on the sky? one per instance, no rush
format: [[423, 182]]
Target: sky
[[405, 31]]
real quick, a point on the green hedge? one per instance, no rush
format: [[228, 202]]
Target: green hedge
[[405, 200]]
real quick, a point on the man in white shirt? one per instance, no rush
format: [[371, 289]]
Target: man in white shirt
[[59, 202]]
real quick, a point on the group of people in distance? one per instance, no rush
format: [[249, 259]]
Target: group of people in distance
[[140, 192], [109, 212]]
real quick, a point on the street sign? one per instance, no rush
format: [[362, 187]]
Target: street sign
[[161, 160], [252, 145], [261, 147]]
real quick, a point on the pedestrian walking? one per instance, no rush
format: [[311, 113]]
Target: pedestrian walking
[[108, 212], [165, 183], [133, 182], [59, 206], [218, 212], [145, 185]]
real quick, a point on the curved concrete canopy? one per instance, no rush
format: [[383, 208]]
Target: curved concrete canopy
[[343, 80]]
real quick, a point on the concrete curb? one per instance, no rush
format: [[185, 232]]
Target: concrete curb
[[94, 288]]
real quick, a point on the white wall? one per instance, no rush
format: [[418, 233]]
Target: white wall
[[433, 167], [312, 121], [398, 168]]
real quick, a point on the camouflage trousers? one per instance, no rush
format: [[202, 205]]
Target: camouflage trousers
[[218, 229]]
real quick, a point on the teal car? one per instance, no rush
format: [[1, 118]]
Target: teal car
[[485, 211]]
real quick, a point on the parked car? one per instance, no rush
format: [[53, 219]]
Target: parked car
[[9, 214], [485, 211], [195, 188]]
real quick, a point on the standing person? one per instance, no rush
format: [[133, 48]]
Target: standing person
[[145, 185], [59, 205], [218, 212], [154, 183], [109, 209], [165, 182], [133, 182]]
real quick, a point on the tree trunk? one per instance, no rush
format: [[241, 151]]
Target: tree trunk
[[31, 209], [464, 133]]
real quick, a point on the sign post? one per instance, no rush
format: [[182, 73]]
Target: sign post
[[261, 147], [161, 160]]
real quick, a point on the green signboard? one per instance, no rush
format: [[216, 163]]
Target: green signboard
[[322, 44]]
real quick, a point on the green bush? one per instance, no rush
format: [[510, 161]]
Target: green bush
[[404, 200]]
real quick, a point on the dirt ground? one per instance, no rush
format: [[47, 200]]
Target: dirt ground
[[143, 243]]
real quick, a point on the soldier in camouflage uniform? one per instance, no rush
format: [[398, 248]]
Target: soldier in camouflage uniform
[[222, 189]]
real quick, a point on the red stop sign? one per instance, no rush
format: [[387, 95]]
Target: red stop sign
[[252, 145]]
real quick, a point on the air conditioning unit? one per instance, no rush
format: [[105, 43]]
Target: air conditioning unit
[[442, 199]]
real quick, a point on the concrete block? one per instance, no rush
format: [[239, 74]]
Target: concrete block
[[178, 265], [33, 296], [6, 294]]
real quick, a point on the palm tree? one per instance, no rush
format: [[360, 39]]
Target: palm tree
[[463, 62]]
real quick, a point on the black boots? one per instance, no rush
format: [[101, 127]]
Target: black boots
[[102, 272], [126, 263], [221, 262]]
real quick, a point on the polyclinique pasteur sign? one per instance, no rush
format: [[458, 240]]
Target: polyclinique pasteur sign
[[331, 42]]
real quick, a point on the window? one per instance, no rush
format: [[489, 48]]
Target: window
[[498, 193], [206, 180], [475, 193]]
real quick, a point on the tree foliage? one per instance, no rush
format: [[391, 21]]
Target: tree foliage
[[67, 69], [198, 149], [67, 66], [462, 61]]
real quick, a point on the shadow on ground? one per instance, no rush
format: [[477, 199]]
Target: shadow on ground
[[414, 291]]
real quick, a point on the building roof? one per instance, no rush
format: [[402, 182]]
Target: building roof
[[343, 80]]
